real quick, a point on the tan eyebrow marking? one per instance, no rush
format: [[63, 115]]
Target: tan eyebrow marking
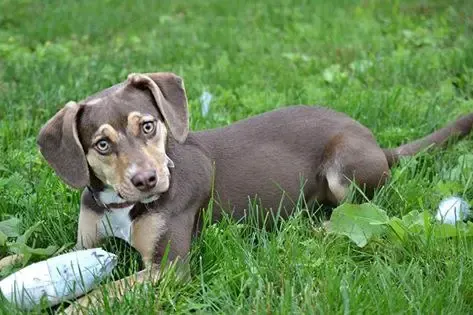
[[108, 131], [134, 122], [134, 119]]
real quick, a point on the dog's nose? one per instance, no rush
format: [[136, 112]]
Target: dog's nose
[[145, 180]]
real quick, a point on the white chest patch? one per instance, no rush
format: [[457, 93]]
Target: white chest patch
[[116, 223]]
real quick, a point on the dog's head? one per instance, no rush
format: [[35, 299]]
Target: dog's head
[[120, 136]]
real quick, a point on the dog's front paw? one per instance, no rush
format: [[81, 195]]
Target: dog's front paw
[[10, 260], [81, 306], [77, 247]]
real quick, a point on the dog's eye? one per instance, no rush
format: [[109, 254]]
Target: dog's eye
[[103, 146], [148, 127]]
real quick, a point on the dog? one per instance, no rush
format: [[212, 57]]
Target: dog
[[147, 177]]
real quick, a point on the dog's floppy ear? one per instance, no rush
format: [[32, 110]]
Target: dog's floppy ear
[[59, 143], [170, 96]]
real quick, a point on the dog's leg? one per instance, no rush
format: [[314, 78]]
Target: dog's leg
[[87, 231], [355, 159], [177, 240], [146, 231], [10, 260], [89, 219], [116, 289], [152, 233]]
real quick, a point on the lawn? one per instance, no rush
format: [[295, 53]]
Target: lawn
[[402, 68]]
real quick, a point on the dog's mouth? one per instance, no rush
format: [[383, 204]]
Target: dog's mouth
[[126, 203], [120, 204], [148, 199], [121, 201]]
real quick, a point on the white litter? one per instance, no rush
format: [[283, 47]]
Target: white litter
[[452, 210], [58, 279], [205, 100]]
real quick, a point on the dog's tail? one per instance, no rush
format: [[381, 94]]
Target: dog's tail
[[455, 130]]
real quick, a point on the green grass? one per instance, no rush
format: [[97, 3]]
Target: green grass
[[402, 68]]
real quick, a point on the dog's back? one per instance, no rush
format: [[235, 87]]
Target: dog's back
[[275, 155]]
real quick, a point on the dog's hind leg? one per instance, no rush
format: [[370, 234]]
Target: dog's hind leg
[[354, 159]]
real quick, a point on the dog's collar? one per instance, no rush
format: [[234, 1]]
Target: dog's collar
[[109, 206]]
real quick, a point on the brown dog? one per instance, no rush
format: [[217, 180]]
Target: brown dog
[[129, 146]]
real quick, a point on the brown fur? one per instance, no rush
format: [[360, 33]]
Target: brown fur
[[271, 157]]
